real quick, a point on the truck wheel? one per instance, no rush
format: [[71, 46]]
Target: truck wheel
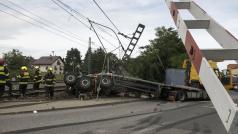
[[106, 82], [85, 82], [70, 79]]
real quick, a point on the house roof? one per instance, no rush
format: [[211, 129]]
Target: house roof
[[46, 60], [232, 66]]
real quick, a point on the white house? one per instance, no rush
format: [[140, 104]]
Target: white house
[[56, 62]]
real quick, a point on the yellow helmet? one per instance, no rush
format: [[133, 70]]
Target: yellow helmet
[[50, 69], [24, 68]]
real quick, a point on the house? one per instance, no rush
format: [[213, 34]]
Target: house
[[233, 69], [56, 62]]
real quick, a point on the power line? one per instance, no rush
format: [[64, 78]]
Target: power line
[[71, 9], [47, 21], [106, 15], [97, 36], [83, 17], [120, 44], [70, 13], [40, 22], [38, 26]]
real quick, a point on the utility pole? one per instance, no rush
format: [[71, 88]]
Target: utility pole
[[89, 55]]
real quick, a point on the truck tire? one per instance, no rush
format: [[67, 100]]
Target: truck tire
[[70, 79], [106, 82], [85, 82]]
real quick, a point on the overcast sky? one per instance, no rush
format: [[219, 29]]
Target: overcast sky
[[126, 14]]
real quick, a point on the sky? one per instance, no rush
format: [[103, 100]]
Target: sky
[[35, 39]]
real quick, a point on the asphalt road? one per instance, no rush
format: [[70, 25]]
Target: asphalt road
[[143, 117]]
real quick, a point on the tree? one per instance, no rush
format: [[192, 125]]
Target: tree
[[165, 51], [73, 61], [97, 60], [15, 59], [87, 64]]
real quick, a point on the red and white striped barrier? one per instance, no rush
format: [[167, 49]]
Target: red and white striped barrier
[[224, 105]]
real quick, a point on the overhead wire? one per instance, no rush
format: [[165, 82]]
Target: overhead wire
[[97, 35], [37, 25], [81, 16], [95, 2], [119, 41], [86, 18], [40, 23], [75, 11], [70, 14], [106, 15], [47, 21], [93, 29]]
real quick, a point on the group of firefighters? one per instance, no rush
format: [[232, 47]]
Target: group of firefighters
[[24, 78]]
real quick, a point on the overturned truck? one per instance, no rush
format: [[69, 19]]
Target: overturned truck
[[109, 83]]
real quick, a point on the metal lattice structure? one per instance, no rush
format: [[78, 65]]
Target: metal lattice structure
[[223, 103], [136, 36]]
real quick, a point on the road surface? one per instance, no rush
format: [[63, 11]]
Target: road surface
[[141, 117]]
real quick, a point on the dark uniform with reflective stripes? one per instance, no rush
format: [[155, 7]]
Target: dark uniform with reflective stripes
[[23, 81], [49, 79], [4, 74], [37, 80], [9, 84]]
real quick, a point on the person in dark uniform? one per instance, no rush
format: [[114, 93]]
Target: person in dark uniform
[[9, 85], [23, 80], [49, 80], [37, 78], [4, 74]]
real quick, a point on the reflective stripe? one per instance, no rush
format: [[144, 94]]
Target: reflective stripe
[[25, 77], [48, 85], [2, 81], [1, 68], [38, 81], [22, 83], [49, 79], [2, 73]]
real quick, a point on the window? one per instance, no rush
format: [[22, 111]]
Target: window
[[58, 62]]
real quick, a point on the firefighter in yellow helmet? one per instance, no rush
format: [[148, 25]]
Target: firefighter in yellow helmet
[[49, 79], [37, 78], [4, 74], [23, 80]]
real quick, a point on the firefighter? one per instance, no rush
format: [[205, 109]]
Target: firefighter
[[4, 74], [37, 78], [9, 84], [49, 79], [23, 80]]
